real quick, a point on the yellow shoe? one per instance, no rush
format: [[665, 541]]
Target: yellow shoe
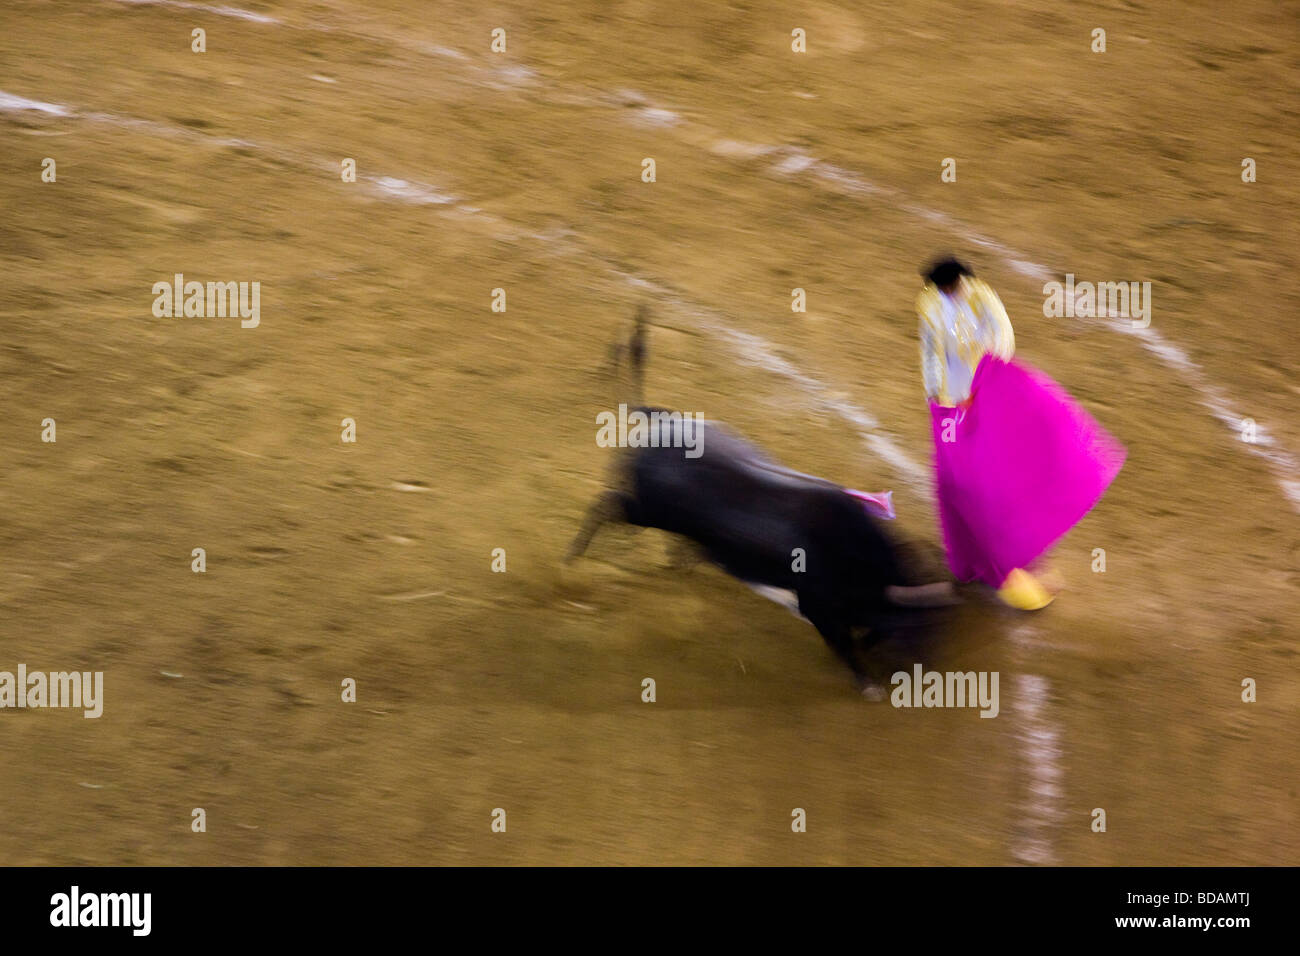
[[1022, 591]]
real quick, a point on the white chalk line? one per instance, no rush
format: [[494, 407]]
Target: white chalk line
[[215, 9], [403, 190], [501, 77], [1040, 747], [12, 104]]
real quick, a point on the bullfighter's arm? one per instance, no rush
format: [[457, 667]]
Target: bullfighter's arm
[[994, 322], [927, 307]]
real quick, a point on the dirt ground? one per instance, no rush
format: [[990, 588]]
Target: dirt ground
[[475, 429]]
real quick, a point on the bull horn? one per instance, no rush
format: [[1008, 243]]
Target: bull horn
[[938, 594]]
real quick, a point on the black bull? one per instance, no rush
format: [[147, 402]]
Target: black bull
[[765, 524]]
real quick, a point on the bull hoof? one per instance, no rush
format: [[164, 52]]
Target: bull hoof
[[872, 691]]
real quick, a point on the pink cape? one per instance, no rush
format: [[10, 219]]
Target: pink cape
[[1018, 470]]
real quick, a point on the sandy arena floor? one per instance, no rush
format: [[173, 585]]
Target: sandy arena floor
[[475, 429]]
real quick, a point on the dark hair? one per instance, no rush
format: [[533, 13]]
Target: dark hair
[[947, 271]]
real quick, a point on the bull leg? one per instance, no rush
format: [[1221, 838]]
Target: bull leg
[[835, 630], [608, 506]]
